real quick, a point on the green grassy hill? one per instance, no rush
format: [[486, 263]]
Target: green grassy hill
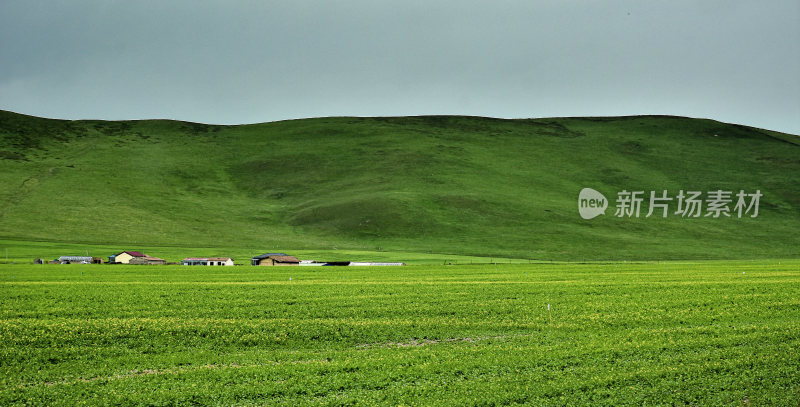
[[462, 185]]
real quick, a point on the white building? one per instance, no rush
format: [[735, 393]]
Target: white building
[[75, 260], [207, 261]]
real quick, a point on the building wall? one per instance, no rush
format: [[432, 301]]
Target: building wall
[[228, 262], [75, 259], [124, 258], [142, 260], [271, 262]]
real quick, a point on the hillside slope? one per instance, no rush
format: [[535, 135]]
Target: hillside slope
[[464, 185]]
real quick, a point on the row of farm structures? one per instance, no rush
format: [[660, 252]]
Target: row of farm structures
[[267, 259]]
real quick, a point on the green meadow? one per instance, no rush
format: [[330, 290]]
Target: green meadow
[[509, 297], [698, 333], [439, 184]]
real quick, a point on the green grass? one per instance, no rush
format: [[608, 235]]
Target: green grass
[[462, 185], [668, 333], [427, 191]]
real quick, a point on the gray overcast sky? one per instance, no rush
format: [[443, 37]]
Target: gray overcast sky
[[252, 61]]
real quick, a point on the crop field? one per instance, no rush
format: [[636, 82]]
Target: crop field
[[670, 333]]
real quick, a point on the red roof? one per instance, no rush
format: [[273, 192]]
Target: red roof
[[135, 254]]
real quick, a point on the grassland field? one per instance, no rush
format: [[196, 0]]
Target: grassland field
[[471, 186], [509, 296], [704, 333]]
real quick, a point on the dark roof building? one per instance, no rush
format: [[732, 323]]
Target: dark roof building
[[274, 259]]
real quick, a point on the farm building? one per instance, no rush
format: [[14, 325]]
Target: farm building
[[80, 260], [207, 261], [275, 259], [147, 260], [124, 257]]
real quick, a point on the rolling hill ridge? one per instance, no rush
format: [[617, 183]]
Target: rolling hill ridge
[[441, 184]]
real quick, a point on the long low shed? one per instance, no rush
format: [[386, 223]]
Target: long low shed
[[80, 260], [207, 261]]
